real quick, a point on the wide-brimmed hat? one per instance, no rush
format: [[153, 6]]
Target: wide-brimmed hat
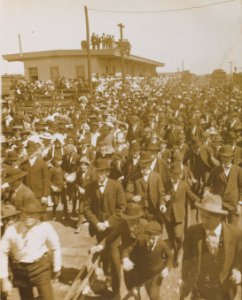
[[33, 207], [13, 174], [153, 227], [102, 164], [132, 211], [145, 159], [226, 151], [8, 211], [212, 203], [84, 160]]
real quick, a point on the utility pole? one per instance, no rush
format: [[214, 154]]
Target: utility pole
[[121, 26], [231, 70], [20, 45], [89, 67]]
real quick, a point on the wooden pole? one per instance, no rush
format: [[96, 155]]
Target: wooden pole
[[89, 67], [121, 26], [20, 45]]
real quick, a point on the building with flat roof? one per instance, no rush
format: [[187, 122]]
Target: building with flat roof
[[47, 65]]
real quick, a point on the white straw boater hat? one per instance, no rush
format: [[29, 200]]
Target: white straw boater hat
[[212, 203]]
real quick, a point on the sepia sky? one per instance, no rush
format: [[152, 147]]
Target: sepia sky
[[204, 38]]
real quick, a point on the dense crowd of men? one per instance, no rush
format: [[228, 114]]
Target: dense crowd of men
[[153, 167]]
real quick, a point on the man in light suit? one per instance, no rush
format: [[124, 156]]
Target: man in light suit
[[105, 200], [211, 266], [226, 181]]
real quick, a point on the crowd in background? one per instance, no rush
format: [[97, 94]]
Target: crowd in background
[[157, 145]]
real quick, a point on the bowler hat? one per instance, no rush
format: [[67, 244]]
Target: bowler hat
[[102, 164], [33, 207], [132, 211], [145, 159], [13, 174], [31, 145], [153, 227], [212, 203], [226, 151], [12, 156]]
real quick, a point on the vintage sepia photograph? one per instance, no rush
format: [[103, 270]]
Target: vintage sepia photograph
[[121, 150]]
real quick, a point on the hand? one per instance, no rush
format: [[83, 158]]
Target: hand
[[164, 272], [128, 265], [101, 226], [56, 274], [137, 198], [7, 286], [121, 178], [235, 276], [81, 190], [96, 249], [44, 200], [180, 288], [167, 198], [163, 208]]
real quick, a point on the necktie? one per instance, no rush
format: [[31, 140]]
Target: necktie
[[212, 242]]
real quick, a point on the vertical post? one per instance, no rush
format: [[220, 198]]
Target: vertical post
[[20, 45], [231, 70], [89, 69], [121, 26]]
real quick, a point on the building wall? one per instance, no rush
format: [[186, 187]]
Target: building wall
[[67, 67]]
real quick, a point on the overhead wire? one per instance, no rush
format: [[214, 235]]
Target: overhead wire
[[161, 11]]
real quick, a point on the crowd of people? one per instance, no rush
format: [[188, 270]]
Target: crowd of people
[[107, 42], [30, 92], [153, 167]]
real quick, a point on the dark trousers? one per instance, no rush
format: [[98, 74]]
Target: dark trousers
[[56, 198], [81, 209], [152, 287], [71, 192], [110, 258], [38, 274], [227, 292]]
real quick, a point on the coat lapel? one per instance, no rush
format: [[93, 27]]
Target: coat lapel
[[222, 175]]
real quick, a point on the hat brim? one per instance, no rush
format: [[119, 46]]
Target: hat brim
[[12, 214], [211, 210], [36, 211], [226, 154], [145, 163], [14, 178], [128, 217]]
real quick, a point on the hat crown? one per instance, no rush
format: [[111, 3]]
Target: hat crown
[[153, 227], [102, 164], [212, 203], [145, 156], [33, 207], [226, 150], [133, 209]]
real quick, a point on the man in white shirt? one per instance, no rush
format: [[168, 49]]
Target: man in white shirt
[[36, 255]]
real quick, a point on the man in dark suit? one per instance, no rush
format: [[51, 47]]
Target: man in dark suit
[[135, 130], [226, 181], [104, 203], [177, 195], [152, 260], [85, 176], [69, 165], [38, 177], [21, 195], [211, 266]]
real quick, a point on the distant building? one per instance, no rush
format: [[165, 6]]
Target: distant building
[[47, 65], [6, 82]]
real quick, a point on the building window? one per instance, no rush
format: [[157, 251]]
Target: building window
[[80, 72], [54, 72], [33, 74]]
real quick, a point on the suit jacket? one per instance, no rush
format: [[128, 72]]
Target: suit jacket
[[23, 196], [38, 178], [114, 198], [178, 200], [135, 134], [192, 253], [230, 189], [70, 166], [155, 192], [237, 159], [161, 168]]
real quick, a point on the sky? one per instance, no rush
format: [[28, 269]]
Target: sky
[[201, 39]]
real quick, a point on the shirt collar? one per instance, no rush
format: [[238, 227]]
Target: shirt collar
[[19, 187], [104, 183], [217, 231]]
